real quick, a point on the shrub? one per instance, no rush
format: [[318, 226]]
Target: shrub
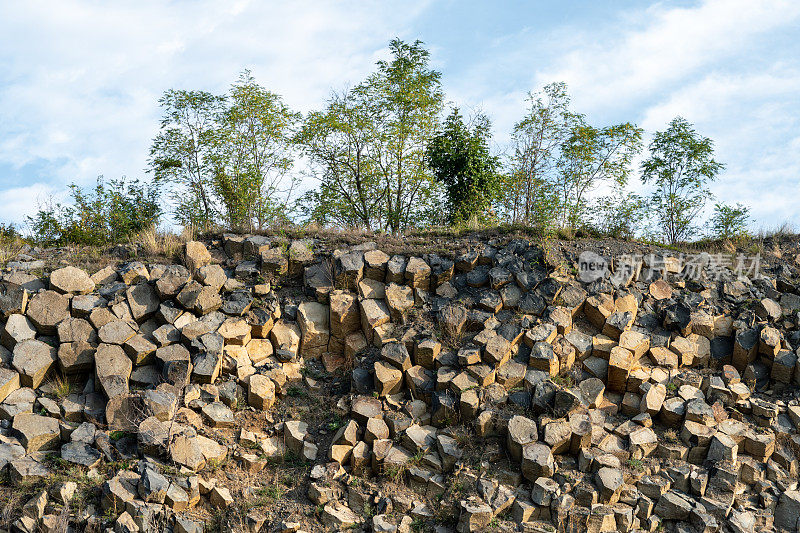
[[11, 242], [729, 221], [8, 232], [112, 211], [619, 214]]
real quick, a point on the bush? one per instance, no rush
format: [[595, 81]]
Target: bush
[[8, 232], [111, 212], [11, 242], [620, 214], [729, 221]]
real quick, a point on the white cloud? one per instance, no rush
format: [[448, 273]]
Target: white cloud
[[79, 81], [753, 119], [20, 202], [616, 71], [729, 66], [743, 99], [652, 50]]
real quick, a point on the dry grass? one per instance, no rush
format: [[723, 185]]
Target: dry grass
[[670, 435], [395, 473], [62, 525], [188, 233], [60, 385], [11, 509], [13, 500], [787, 229], [161, 243], [9, 248], [764, 239], [233, 520], [449, 336]]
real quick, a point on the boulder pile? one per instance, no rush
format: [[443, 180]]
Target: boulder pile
[[488, 388]]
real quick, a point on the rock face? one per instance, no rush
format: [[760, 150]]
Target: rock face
[[399, 299], [112, 369], [482, 388], [388, 379], [537, 461], [261, 392], [313, 319], [18, 328], [196, 255], [33, 359], [71, 280], [46, 309], [9, 382], [13, 299], [475, 516], [37, 432], [787, 513]]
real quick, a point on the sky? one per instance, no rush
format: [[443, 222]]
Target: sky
[[80, 80]]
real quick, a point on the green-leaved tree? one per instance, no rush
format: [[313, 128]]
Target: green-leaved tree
[[252, 155], [368, 146], [619, 214], [528, 195], [181, 153], [408, 96], [680, 167], [589, 157], [460, 159], [339, 143]]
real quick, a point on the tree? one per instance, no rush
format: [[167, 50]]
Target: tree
[[591, 156], [680, 166], [368, 146], [729, 221], [559, 159], [9, 232], [225, 154], [251, 154], [529, 197], [181, 153], [459, 158], [339, 144], [407, 98]]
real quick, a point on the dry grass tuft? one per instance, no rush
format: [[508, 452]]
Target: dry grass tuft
[[61, 386], [161, 243], [9, 248], [787, 229], [670, 435], [62, 525], [11, 509], [188, 233]]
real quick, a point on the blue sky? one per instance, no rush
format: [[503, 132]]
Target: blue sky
[[80, 80]]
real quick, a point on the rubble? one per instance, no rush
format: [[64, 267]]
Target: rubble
[[467, 391]]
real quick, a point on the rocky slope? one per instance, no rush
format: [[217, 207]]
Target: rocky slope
[[270, 384]]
